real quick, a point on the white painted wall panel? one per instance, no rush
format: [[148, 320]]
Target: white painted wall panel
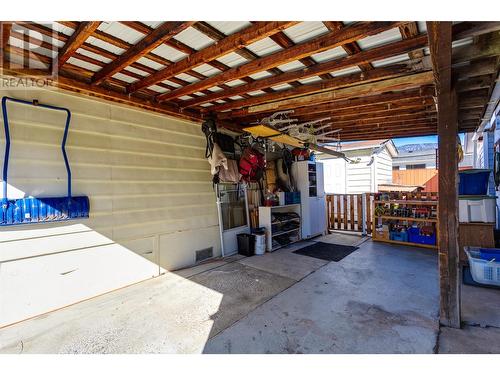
[[152, 202]]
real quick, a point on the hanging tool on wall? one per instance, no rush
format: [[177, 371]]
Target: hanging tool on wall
[[35, 210]]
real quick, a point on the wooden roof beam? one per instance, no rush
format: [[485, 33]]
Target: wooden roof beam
[[75, 41], [229, 44], [321, 86], [350, 48], [326, 67], [388, 97], [164, 32], [398, 83], [408, 31], [320, 44]]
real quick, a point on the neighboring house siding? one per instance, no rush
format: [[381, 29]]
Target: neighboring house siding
[[150, 194], [359, 177], [383, 166]]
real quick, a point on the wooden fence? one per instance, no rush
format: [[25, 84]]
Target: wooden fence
[[353, 212], [347, 212], [428, 178]]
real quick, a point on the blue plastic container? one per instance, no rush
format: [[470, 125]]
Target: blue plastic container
[[414, 236], [398, 236], [490, 254], [473, 181]]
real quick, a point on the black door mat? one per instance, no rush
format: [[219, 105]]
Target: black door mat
[[326, 251], [468, 280]]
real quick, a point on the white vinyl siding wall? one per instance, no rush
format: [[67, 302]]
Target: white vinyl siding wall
[[150, 194], [383, 167]]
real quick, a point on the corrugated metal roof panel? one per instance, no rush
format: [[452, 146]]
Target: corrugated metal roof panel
[[206, 105], [256, 93], [236, 82], [41, 50], [173, 84], [83, 64], [150, 63], [236, 97], [391, 60], [121, 31], [194, 38], [293, 65], [330, 54], [310, 80], [58, 27], [214, 89], [305, 30], [187, 77], [220, 101], [107, 46], [229, 27], [206, 70], [283, 86], [232, 59], [186, 97], [158, 89], [125, 78], [136, 71], [264, 47], [169, 53], [199, 93], [153, 24], [343, 72], [385, 37], [462, 42], [93, 55], [260, 75], [422, 26]]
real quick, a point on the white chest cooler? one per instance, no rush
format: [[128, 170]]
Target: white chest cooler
[[476, 208]]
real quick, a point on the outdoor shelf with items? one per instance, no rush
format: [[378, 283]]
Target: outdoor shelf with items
[[409, 222], [282, 225]]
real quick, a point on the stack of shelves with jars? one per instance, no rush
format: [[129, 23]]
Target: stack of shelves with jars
[[406, 222]]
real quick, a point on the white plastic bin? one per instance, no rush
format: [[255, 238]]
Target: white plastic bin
[[479, 209], [260, 244], [483, 271]]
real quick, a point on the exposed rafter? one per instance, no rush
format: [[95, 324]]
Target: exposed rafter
[[330, 66], [320, 44], [229, 44], [75, 41], [164, 32]]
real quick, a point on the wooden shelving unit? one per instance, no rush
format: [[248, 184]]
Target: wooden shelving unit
[[408, 219]]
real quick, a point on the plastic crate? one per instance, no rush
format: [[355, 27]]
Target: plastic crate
[[490, 254], [473, 181], [398, 236], [483, 271], [414, 236]]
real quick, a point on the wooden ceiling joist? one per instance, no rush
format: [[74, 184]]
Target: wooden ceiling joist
[[164, 32], [75, 41], [326, 67], [320, 44], [229, 44], [384, 98], [399, 83], [321, 86]]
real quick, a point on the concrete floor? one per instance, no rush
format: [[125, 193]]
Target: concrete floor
[[379, 299]]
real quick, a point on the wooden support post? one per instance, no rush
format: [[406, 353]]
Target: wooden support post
[[440, 36]]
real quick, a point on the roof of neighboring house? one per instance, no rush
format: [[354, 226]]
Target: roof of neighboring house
[[398, 187], [367, 145]]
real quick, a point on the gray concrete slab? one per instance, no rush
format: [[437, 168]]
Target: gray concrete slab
[[169, 314], [284, 263], [379, 299], [243, 289], [480, 306], [191, 271], [469, 340]]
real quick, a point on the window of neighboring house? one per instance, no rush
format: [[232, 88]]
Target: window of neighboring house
[[395, 168], [416, 166]]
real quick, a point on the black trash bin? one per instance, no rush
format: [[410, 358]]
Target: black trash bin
[[246, 244]]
